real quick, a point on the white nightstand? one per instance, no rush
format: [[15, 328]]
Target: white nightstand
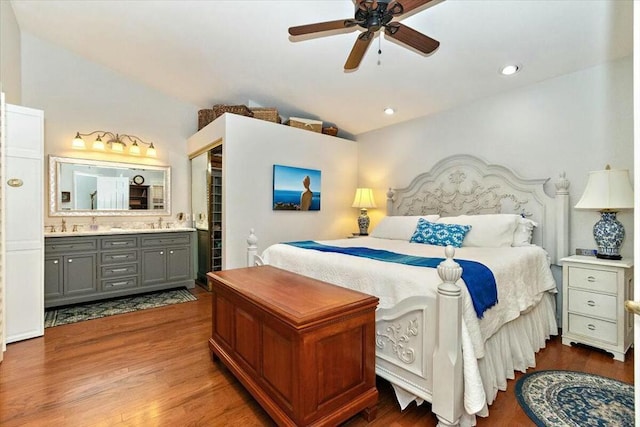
[[594, 291]]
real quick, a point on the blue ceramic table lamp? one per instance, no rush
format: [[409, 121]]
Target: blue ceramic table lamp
[[608, 191]]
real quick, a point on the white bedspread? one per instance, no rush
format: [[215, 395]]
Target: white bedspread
[[522, 274]]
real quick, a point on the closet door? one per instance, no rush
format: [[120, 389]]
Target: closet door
[[3, 300], [24, 228]]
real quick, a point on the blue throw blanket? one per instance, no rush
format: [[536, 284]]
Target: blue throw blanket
[[480, 281]]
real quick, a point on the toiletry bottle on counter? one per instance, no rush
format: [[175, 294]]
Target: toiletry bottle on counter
[[93, 226]]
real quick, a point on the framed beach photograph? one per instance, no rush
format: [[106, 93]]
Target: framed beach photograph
[[296, 189]]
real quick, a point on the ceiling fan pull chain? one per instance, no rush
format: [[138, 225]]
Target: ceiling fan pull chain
[[379, 47]]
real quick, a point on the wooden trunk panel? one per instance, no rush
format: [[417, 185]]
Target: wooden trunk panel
[[247, 337], [277, 368], [308, 359], [223, 319], [339, 364]]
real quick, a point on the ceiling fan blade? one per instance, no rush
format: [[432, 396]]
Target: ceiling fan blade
[[411, 37], [409, 5], [319, 27], [358, 51]]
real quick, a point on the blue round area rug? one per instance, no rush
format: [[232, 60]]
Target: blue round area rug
[[569, 398]]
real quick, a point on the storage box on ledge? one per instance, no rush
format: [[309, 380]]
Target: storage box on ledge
[[307, 124]]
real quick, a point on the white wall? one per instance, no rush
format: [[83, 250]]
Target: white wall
[[80, 95], [250, 149], [575, 123], [9, 54]]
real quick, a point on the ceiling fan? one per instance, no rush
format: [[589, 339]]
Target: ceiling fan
[[373, 15]]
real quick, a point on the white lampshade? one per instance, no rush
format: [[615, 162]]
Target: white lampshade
[[134, 149], [364, 199], [78, 142], [117, 147], [151, 151], [98, 144], [608, 189]]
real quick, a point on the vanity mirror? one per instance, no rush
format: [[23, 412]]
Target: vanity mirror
[[80, 187]]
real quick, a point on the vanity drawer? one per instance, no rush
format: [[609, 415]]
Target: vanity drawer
[[591, 278], [118, 270], [117, 284], [168, 239], [119, 242], [118, 257], [70, 245], [593, 304]]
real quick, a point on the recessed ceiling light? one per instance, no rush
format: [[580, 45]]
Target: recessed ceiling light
[[389, 111], [509, 70]]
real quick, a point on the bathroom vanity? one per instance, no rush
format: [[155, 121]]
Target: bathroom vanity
[[83, 266]]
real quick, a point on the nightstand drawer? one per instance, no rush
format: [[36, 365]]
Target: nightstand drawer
[[598, 280], [592, 304], [593, 328]]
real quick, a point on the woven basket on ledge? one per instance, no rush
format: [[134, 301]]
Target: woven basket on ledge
[[269, 114], [207, 116]]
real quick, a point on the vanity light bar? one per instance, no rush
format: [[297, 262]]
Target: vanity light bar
[[115, 142]]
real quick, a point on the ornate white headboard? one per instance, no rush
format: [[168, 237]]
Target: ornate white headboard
[[464, 184]]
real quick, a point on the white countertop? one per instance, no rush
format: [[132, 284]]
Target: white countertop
[[115, 230]]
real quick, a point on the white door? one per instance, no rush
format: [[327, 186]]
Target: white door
[[113, 193], [636, 213], [24, 226]]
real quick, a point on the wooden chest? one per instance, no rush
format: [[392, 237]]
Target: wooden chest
[[303, 348]]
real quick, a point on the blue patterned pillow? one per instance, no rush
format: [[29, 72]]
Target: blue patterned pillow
[[432, 233]]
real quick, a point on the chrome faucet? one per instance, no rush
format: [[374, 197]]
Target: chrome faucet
[[160, 222], [63, 227]]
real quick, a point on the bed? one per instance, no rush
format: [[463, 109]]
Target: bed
[[432, 343]]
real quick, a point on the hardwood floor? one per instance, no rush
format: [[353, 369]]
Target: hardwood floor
[[153, 367]]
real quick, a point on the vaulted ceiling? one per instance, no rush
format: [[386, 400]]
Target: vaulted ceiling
[[207, 52]]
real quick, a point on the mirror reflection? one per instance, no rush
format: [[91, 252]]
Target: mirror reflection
[[90, 187]]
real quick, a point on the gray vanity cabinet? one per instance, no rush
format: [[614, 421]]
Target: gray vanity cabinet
[[81, 269], [166, 258], [70, 269]]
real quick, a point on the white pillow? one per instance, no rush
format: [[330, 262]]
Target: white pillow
[[399, 227], [487, 231], [524, 232]]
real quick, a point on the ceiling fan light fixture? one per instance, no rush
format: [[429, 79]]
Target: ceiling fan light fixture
[[509, 70], [389, 111]]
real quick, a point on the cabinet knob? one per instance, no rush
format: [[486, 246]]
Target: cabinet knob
[[55, 261], [69, 260], [591, 327], [591, 303], [15, 182], [171, 252], [161, 252], [591, 279]]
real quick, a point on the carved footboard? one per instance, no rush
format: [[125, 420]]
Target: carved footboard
[[404, 345], [419, 345], [418, 341]]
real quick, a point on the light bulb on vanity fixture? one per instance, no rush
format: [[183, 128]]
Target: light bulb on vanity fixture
[[115, 142], [364, 200], [608, 191]]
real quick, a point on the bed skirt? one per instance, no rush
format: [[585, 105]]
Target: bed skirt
[[514, 346]]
